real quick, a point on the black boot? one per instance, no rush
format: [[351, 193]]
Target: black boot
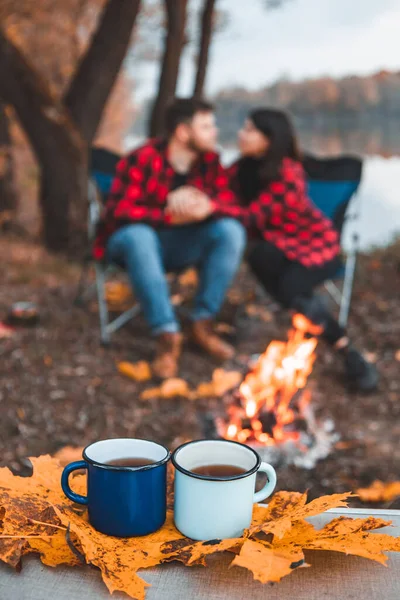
[[361, 375]]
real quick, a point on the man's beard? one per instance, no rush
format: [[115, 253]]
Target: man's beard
[[194, 147]]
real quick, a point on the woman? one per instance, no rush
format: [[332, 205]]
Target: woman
[[295, 247]]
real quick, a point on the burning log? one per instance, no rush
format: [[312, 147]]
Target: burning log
[[271, 410], [268, 422], [266, 402]]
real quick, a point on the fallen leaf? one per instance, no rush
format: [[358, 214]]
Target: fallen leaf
[[379, 491], [139, 371], [397, 355], [119, 560], [189, 278], [192, 553], [352, 536], [54, 551], [29, 523], [21, 413], [235, 297], [117, 291], [222, 382], [170, 388], [266, 563], [287, 507], [36, 517], [177, 299], [260, 312], [118, 295], [224, 328]]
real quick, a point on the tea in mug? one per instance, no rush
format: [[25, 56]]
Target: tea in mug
[[219, 470]]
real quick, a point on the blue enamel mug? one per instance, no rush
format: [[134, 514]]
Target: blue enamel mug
[[123, 501]]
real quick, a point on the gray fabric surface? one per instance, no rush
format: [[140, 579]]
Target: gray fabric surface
[[333, 576]]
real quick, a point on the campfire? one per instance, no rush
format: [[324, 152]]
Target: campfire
[[271, 410]]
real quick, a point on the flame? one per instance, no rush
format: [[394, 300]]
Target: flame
[[251, 408], [267, 392], [231, 431]]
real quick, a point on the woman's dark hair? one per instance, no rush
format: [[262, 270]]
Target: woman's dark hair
[[277, 126], [255, 174]]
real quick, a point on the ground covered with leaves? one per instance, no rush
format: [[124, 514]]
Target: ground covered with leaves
[[59, 387]]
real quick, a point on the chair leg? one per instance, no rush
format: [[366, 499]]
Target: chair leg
[[348, 283], [103, 310], [81, 288]]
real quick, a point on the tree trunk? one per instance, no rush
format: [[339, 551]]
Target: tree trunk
[[61, 131], [205, 41], [173, 46], [55, 140], [97, 72], [63, 194], [8, 193]]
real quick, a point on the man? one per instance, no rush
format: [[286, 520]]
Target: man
[[162, 216]]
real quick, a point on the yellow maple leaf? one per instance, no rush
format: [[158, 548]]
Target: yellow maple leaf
[[222, 381], [139, 371], [287, 507], [29, 523], [170, 388], [35, 517], [352, 536], [379, 491], [189, 278], [117, 291], [54, 551], [266, 563], [119, 561]]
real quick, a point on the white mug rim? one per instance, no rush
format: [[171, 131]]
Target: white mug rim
[[215, 477], [103, 465]]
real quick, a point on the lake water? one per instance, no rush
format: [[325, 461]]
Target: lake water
[[378, 198]]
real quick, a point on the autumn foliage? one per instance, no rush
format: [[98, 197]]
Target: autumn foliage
[[379, 491], [35, 517]]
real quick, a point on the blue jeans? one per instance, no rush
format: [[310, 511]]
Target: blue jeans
[[215, 248]]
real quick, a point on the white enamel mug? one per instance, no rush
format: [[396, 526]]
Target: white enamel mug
[[208, 508]]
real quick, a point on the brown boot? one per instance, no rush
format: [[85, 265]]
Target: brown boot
[[204, 336], [168, 351]]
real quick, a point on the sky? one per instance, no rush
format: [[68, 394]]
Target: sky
[[304, 38]]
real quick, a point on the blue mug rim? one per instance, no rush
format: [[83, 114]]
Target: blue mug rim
[[215, 478], [105, 466]]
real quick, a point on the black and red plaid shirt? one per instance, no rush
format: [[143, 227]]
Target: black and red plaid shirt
[[285, 216], [282, 213], [142, 183]]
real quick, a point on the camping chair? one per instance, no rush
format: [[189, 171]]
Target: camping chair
[[332, 183], [102, 169]]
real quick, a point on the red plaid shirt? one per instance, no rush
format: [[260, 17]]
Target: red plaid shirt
[[141, 186], [285, 216]]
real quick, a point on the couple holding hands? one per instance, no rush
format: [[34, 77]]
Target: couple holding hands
[[173, 205]]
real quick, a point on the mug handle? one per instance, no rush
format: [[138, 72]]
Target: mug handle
[[74, 466], [269, 486]]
